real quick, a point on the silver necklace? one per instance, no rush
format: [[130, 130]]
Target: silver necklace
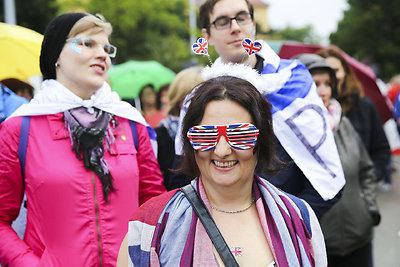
[[234, 211]]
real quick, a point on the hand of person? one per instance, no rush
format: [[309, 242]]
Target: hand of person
[[376, 217]]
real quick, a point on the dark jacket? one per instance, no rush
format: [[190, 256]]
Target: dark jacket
[[347, 226], [168, 161], [293, 181], [365, 119]]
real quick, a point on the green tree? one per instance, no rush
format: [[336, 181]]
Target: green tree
[[305, 35], [34, 15], [145, 30], [370, 32]]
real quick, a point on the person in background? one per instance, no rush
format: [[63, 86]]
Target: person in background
[[147, 97], [347, 226], [19, 87], [288, 86], [88, 161], [393, 95], [360, 110], [181, 86], [9, 102], [148, 105], [228, 138], [394, 88], [162, 102]]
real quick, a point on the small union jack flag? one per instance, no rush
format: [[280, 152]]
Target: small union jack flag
[[237, 251], [200, 47], [251, 47]]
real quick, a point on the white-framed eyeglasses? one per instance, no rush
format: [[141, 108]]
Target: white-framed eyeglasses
[[78, 43]]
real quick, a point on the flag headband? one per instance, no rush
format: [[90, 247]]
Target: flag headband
[[200, 47], [242, 70], [239, 136]]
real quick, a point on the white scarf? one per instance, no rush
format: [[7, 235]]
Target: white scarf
[[266, 84], [55, 98]]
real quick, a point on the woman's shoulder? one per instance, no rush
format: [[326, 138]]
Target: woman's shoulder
[[9, 132], [365, 103], [346, 127], [140, 128], [151, 210], [365, 100], [11, 124]]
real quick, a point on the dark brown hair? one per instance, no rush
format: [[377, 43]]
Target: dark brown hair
[[246, 95], [19, 87], [159, 95], [206, 9], [351, 89]]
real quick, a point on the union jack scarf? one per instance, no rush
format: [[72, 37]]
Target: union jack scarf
[[165, 231]]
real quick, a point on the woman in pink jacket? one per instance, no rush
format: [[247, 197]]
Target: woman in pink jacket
[[83, 158]]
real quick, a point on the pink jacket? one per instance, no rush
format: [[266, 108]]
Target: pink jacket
[[68, 221]]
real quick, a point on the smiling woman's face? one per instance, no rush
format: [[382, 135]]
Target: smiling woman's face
[[81, 69], [225, 166]]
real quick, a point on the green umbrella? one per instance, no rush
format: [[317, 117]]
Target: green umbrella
[[128, 78]]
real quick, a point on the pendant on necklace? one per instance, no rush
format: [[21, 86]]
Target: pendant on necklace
[[237, 251]]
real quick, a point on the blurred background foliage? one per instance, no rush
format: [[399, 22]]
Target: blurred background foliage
[[142, 30], [159, 30], [370, 32]]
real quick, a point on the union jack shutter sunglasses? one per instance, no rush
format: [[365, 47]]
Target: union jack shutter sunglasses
[[239, 136]]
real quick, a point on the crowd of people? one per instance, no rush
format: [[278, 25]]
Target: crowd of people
[[252, 161]]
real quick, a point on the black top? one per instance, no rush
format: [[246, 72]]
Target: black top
[[365, 119]]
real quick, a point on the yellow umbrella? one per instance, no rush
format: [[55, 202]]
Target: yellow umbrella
[[19, 52]]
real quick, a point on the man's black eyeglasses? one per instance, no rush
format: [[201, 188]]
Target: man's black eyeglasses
[[224, 22]]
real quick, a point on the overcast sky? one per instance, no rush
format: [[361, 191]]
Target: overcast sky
[[323, 15]]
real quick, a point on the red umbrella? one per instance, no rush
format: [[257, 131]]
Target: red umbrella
[[364, 73]]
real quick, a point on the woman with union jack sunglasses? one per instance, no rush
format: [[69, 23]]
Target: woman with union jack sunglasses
[[228, 138]]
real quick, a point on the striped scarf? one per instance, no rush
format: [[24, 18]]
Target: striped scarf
[[167, 232]]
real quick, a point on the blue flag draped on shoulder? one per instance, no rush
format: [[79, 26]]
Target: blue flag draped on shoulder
[[300, 124], [299, 116]]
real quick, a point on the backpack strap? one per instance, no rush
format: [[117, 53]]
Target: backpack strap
[[23, 143], [134, 134], [3, 114]]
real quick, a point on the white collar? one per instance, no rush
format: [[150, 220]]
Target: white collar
[[54, 98], [267, 53]]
